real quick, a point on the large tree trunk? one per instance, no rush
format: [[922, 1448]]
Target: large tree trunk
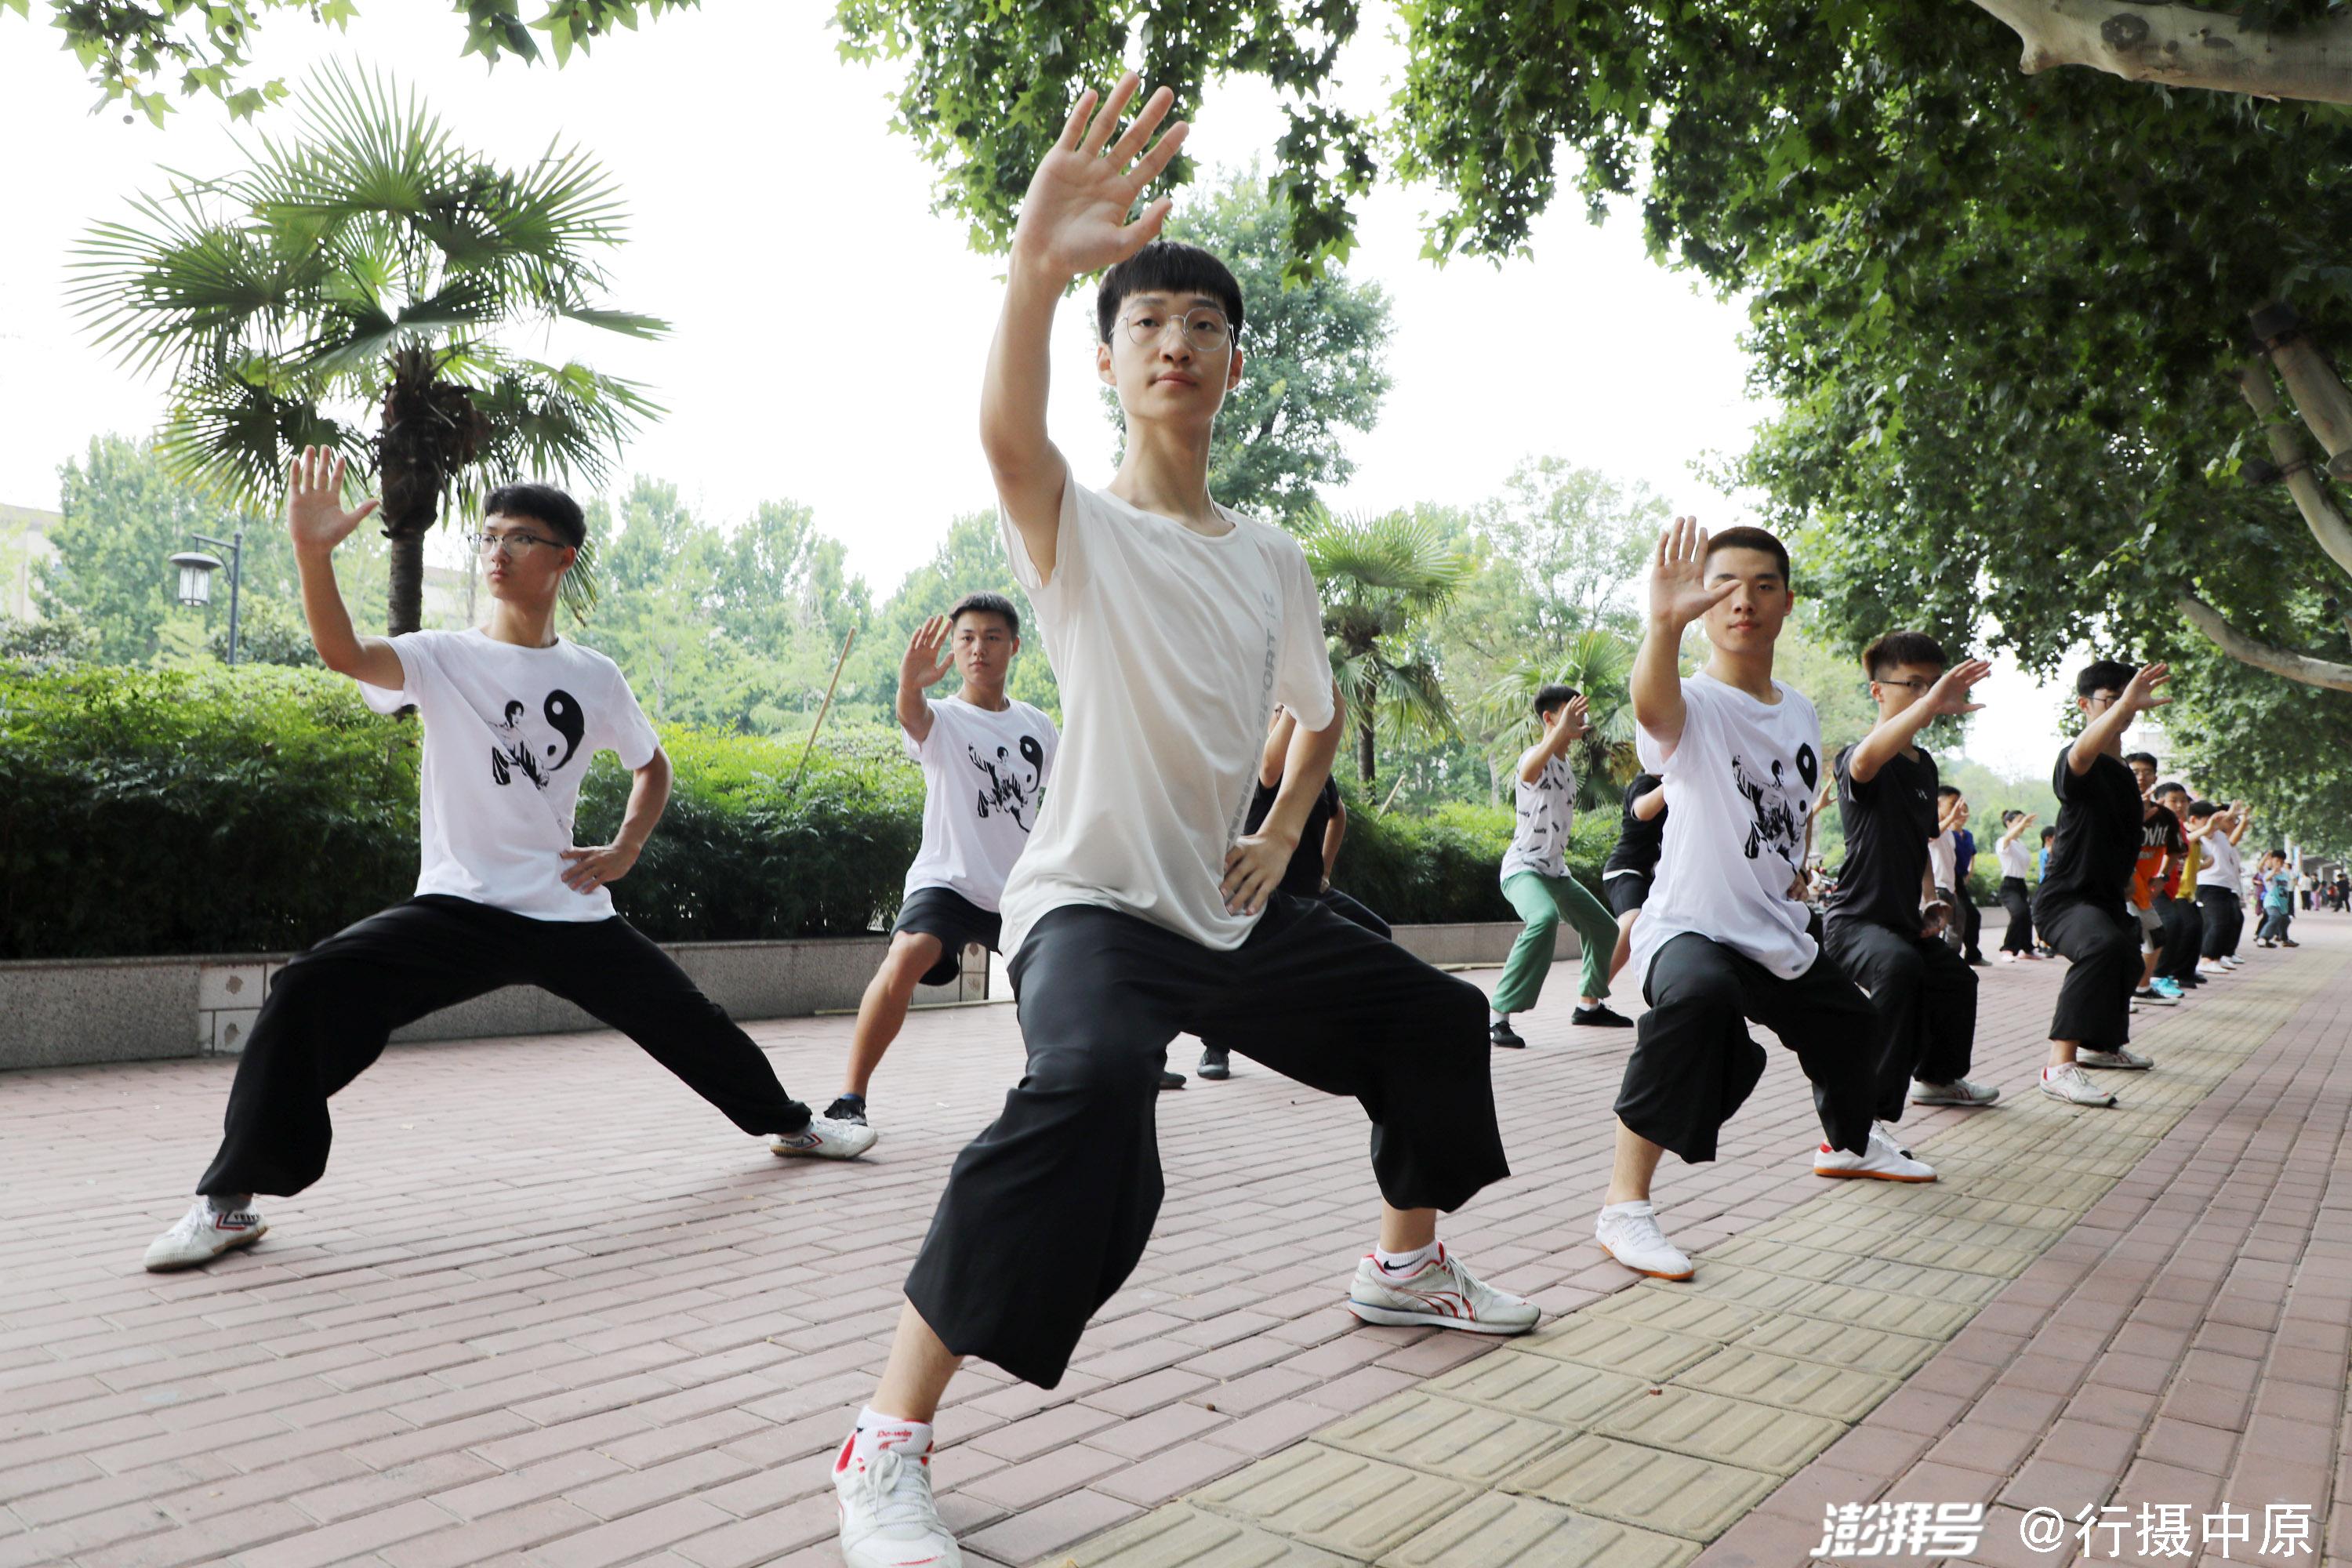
[[405, 610], [1364, 754], [2319, 396], [2262, 655], [2326, 524], [429, 431], [2183, 46]]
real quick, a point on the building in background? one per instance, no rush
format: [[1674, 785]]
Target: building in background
[[23, 546]]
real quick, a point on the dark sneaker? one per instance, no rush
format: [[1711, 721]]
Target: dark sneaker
[[1171, 1080], [1503, 1038], [1216, 1064], [849, 1108], [1599, 1017]]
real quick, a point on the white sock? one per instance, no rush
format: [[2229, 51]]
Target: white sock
[[1403, 1262], [1626, 1207], [876, 1431], [1499, 1018]]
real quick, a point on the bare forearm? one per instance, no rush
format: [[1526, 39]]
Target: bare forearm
[[1333, 834], [914, 709], [1878, 748], [1657, 682], [648, 798], [2097, 736], [341, 649], [1019, 375], [1303, 771]]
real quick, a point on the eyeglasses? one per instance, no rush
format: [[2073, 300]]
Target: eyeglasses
[[1906, 685], [2103, 697], [1206, 331], [511, 545]]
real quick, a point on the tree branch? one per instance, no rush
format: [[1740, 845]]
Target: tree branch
[[2262, 655], [2326, 524], [2183, 46]]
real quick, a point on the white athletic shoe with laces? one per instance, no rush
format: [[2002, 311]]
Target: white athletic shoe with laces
[[1959, 1091], [1883, 1160], [889, 1519], [1629, 1232], [1441, 1292], [2122, 1057], [824, 1139], [2069, 1084], [203, 1233]]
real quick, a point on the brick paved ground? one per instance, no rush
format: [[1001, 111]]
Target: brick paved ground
[[548, 1309]]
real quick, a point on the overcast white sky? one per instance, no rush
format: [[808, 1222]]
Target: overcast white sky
[[828, 331]]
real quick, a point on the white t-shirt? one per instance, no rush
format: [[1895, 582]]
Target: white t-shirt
[[1547, 811], [1944, 858], [2014, 859], [2222, 866], [1172, 649], [984, 780], [1740, 789], [507, 734]]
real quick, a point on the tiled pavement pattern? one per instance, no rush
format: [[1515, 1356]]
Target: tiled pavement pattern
[[2084, 1309], [547, 1309]]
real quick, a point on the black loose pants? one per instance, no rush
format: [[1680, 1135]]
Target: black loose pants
[[1926, 995], [1047, 1212], [2019, 937], [331, 1009], [2184, 932], [2225, 920], [2101, 944], [1693, 1062]]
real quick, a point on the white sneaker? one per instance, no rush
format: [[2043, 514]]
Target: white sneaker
[[1883, 1160], [2232, 961], [2121, 1056], [1441, 1292], [824, 1139], [203, 1233], [2211, 966], [1959, 1091], [2067, 1083], [1629, 1232], [2155, 999], [889, 1519]]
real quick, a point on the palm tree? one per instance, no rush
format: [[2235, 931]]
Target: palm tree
[[1598, 663], [368, 264], [1379, 576]]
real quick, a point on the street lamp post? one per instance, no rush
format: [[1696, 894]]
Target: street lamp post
[[196, 570]]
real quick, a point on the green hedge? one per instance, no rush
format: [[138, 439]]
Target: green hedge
[[260, 809]]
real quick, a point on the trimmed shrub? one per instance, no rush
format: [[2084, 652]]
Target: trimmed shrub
[[1447, 865]]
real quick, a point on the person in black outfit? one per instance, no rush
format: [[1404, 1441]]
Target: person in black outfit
[[1308, 875], [1881, 919], [1626, 875], [2176, 895], [2083, 905]]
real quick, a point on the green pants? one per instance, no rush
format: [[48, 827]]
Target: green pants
[[1541, 901]]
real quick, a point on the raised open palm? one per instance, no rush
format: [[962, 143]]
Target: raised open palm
[[1951, 691], [1073, 220], [928, 659], [1678, 590], [314, 502]]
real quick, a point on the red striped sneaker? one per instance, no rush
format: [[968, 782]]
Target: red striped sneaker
[[889, 1519], [203, 1233], [1440, 1292]]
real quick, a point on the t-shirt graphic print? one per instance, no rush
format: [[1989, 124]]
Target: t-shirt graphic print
[[1740, 792], [507, 734], [984, 776], [1546, 810]]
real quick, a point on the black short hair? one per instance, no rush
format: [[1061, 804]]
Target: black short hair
[[2012, 815], [1552, 698], [2147, 757], [1896, 648], [2172, 786], [542, 504], [1943, 790], [986, 603], [2104, 673], [2048, 834], [2204, 808], [1747, 538], [1168, 267]]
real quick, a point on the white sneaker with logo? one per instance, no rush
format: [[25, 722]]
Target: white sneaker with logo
[[889, 1519], [824, 1139], [1441, 1292], [2122, 1057], [1883, 1160], [1629, 1232], [203, 1233], [1959, 1091], [2069, 1084]]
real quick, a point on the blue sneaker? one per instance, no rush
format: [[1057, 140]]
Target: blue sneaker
[[2164, 985]]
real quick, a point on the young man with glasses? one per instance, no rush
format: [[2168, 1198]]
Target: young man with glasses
[[512, 714], [2084, 906], [1140, 909], [985, 760], [1881, 924], [1725, 936]]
